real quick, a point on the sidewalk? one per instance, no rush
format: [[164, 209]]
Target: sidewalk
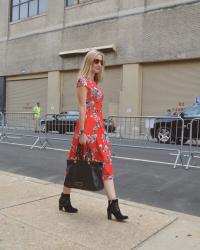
[[30, 219]]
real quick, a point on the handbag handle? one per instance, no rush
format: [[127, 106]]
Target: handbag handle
[[79, 153]]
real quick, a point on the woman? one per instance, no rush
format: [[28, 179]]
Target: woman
[[90, 129]]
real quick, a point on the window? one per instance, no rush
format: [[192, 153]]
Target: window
[[33, 8], [192, 111], [71, 2], [21, 9]]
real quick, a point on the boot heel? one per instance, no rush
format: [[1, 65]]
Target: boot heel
[[113, 209], [109, 215]]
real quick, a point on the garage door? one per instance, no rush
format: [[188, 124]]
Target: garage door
[[111, 85], [165, 85], [22, 95]]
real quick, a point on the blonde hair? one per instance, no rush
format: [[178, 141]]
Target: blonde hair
[[87, 65]]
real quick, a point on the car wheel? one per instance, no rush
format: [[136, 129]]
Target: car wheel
[[43, 128], [163, 135]]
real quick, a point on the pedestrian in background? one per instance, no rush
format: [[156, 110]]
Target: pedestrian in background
[[90, 129], [37, 117], [169, 112]]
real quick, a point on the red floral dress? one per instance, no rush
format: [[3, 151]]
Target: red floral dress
[[94, 128]]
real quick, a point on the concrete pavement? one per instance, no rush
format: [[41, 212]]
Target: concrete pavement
[[30, 219]]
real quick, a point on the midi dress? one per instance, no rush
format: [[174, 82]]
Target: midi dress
[[98, 140]]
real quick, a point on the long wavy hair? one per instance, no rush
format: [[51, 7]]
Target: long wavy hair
[[86, 68]]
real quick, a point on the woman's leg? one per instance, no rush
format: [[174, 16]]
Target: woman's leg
[[109, 188], [65, 201], [66, 190], [113, 206]]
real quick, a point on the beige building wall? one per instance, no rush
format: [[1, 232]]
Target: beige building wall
[[112, 85], [143, 31], [54, 92], [130, 95], [49, 21], [68, 94], [4, 20]]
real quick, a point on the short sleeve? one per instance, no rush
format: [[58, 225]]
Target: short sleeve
[[82, 82], [85, 82]]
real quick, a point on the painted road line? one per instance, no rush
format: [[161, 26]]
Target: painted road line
[[113, 156], [26, 145], [13, 137]]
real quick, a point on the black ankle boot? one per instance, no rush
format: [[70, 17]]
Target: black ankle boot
[[113, 208], [64, 202]]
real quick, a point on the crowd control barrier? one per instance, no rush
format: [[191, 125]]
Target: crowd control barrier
[[194, 141], [1, 126], [150, 132], [170, 134]]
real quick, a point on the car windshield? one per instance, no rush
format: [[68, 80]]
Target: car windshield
[[73, 113], [68, 116], [192, 111], [50, 116]]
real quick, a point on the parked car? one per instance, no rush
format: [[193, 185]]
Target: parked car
[[168, 128], [62, 123], [66, 122], [49, 117], [109, 125]]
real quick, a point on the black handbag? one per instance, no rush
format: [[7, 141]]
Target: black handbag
[[85, 173]]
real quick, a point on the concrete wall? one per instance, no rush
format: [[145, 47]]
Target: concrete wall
[[142, 30], [130, 95], [4, 19], [54, 92]]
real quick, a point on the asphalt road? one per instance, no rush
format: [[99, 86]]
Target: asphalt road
[[141, 175]]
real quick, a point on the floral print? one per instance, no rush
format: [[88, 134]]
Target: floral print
[[98, 140]]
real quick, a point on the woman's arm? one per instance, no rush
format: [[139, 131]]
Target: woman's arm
[[81, 95]]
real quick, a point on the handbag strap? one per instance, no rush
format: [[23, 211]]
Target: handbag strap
[[79, 152]]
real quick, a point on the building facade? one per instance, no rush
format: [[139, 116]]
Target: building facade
[[152, 50]]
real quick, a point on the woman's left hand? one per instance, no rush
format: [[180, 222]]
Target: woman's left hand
[[83, 139]]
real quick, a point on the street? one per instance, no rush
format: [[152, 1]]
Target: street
[[141, 175]]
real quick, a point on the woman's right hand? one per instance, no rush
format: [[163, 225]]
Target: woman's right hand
[[83, 139]]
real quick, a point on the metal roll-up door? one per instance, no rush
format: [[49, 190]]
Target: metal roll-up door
[[22, 95], [111, 85], [165, 85]]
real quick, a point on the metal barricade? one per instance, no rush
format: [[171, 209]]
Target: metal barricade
[[55, 126], [18, 121], [149, 132], [144, 132], [60, 123], [1, 126], [52, 127], [20, 124], [194, 141]]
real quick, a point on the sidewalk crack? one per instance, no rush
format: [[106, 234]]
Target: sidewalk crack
[[152, 235], [24, 203]]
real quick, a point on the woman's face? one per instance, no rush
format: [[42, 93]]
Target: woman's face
[[97, 64]]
